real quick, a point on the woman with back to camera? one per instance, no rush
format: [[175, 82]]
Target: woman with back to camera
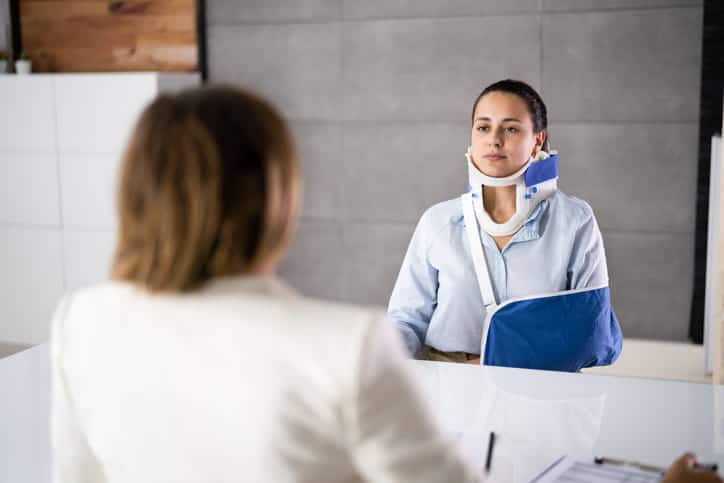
[[195, 363], [514, 270]]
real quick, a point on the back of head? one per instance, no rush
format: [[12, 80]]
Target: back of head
[[208, 187]]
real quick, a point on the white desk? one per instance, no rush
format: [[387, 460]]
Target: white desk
[[24, 407], [541, 415], [537, 415]]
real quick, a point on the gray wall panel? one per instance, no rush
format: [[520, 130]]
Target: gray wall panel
[[267, 11], [296, 66], [321, 157], [381, 9], [4, 26], [623, 66], [637, 177], [373, 260], [579, 5], [417, 165], [351, 262], [651, 282], [432, 69], [316, 260]]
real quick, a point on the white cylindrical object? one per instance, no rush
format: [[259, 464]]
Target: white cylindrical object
[[711, 309], [23, 67]]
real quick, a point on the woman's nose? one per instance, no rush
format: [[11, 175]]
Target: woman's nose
[[494, 140]]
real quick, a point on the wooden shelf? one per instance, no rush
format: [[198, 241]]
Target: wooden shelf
[[110, 36]]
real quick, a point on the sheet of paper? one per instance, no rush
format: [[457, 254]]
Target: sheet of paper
[[569, 470]]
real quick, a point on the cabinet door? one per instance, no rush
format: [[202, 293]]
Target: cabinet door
[[96, 112], [31, 282], [27, 121]]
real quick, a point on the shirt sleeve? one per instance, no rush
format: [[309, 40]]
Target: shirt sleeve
[[414, 296], [587, 267], [73, 460], [394, 435]]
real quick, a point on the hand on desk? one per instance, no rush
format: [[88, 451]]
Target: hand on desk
[[683, 471]]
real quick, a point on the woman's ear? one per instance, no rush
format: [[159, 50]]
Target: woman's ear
[[540, 140]]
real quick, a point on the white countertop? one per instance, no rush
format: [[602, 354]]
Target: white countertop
[[658, 359], [537, 416], [24, 410]]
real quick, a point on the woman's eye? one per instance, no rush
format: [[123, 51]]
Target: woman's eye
[[483, 128], [512, 129]]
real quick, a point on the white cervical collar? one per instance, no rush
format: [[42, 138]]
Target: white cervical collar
[[534, 182]]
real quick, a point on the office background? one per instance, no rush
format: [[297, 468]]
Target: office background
[[379, 95]]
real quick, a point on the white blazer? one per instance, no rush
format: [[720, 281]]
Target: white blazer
[[242, 380]]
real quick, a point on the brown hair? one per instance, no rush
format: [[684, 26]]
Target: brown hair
[[209, 186]]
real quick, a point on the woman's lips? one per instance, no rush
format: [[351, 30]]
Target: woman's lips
[[494, 157]]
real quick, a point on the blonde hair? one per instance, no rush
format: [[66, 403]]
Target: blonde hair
[[209, 186]]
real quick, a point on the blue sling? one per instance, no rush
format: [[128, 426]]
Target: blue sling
[[563, 331]]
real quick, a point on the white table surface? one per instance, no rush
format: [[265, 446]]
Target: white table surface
[[537, 416], [24, 410]]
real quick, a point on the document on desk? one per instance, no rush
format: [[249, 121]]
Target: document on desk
[[570, 470]]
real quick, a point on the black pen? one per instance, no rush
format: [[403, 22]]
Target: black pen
[[489, 458], [634, 464], [697, 466]]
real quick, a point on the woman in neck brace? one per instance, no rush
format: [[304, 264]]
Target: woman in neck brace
[[512, 273]]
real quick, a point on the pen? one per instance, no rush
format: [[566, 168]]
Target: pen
[[613, 461], [634, 464], [489, 457]]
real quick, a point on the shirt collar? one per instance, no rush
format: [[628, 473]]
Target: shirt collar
[[531, 228]]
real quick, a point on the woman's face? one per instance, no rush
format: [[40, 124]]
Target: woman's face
[[502, 138]]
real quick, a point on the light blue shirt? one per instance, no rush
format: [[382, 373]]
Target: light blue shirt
[[436, 300]]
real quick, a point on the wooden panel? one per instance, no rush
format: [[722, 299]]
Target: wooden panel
[[102, 35]]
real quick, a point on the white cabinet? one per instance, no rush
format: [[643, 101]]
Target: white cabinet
[[89, 177], [61, 140], [86, 256], [29, 188], [80, 99], [27, 118], [31, 281]]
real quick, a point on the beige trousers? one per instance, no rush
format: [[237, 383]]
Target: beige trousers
[[431, 354]]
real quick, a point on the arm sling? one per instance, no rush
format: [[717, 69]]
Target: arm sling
[[560, 331]]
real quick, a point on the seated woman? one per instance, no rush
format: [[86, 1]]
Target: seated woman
[[195, 363], [515, 270]]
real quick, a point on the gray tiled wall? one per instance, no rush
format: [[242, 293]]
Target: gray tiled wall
[[4, 26], [379, 95]]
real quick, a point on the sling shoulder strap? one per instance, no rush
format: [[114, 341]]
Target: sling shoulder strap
[[476, 249]]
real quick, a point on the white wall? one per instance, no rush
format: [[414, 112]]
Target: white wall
[[61, 138]]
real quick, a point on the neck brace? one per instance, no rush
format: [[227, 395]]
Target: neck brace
[[534, 182]]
